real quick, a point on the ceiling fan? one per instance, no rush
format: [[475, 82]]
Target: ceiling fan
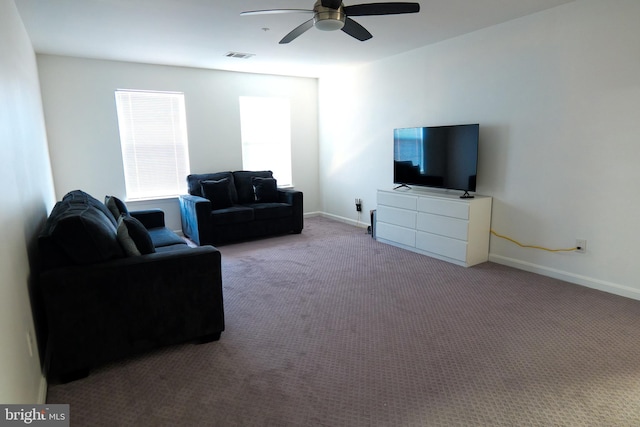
[[331, 15]]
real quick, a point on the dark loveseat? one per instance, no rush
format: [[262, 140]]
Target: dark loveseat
[[114, 283], [224, 207]]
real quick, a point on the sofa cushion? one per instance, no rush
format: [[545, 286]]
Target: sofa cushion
[[52, 255], [271, 210], [244, 184], [165, 237], [116, 206], [170, 248], [133, 236], [265, 189], [217, 192], [233, 215], [194, 188], [80, 197], [84, 232]]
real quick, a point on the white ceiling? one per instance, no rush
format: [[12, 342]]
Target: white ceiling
[[199, 33]]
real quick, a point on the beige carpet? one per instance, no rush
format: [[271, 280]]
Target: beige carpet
[[331, 328]]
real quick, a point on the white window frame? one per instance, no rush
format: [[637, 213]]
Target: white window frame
[[265, 124], [154, 143]]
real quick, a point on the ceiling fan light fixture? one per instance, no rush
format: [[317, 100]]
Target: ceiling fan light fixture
[[329, 20]]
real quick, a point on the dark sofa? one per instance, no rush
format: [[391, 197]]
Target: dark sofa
[[225, 207], [111, 286]]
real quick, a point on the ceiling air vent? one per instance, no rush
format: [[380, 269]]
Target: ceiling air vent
[[239, 55]]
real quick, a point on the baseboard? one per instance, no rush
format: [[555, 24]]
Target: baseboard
[[42, 392], [589, 282], [345, 220]]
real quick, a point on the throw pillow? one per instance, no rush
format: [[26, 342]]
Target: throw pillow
[[244, 184], [217, 192], [86, 199], [194, 180], [265, 189], [133, 236], [116, 206], [84, 233]]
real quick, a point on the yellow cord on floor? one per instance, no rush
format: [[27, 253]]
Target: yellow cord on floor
[[533, 246]]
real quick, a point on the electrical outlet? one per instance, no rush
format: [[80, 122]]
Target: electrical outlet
[[359, 205], [581, 246]]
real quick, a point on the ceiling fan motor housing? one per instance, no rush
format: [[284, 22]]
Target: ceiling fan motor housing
[[327, 19]]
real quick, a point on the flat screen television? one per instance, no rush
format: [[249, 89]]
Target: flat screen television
[[443, 157]]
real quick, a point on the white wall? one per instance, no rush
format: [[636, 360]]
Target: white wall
[[557, 96], [82, 127], [27, 196]]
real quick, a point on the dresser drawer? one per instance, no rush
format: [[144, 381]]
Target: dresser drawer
[[404, 236], [395, 216], [401, 201], [451, 248], [444, 207], [443, 225]]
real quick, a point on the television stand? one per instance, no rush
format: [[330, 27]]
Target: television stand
[[466, 195], [439, 225]]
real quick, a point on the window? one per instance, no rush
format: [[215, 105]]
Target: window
[[153, 138], [265, 124]]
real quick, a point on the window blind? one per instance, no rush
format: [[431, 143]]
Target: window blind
[[153, 139]]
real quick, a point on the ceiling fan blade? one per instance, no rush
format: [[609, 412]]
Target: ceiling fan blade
[[296, 32], [333, 4], [381, 9], [274, 11], [356, 30]]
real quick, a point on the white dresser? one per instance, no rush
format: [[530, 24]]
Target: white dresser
[[439, 225]]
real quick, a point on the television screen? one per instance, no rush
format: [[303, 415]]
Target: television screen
[[440, 156]]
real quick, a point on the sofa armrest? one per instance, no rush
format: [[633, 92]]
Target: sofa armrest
[[150, 218], [105, 311], [295, 199], [195, 216]]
